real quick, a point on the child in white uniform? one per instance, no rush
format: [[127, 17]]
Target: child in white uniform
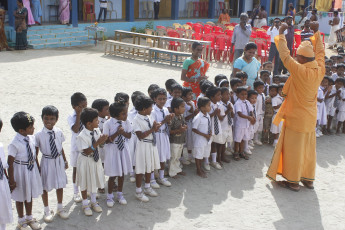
[[147, 157], [204, 85], [276, 103], [214, 94], [321, 111], [259, 87], [6, 216], [53, 162], [202, 133], [244, 118], [160, 114], [190, 111], [78, 102], [341, 106], [90, 174], [117, 153], [252, 98], [330, 94], [168, 84], [24, 177], [176, 93]]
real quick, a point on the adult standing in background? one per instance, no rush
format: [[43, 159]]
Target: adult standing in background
[[313, 17], [3, 39], [31, 20], [20, 25], [103, 6], [156, 8], [262, 20], [292, 13], [240, 36], [37, 11], [64, 12], [335, 25], [255, 13]]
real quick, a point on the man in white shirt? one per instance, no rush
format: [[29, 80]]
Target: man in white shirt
[[103, 5], [156, 8], [274, 54]]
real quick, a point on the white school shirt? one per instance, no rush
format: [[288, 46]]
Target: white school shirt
[[225, 123], [42, 140], [259, 104], [2, 157], [245, 108], [187, 113], [330, 101], [157, 115], [200, 95], [274, 33], [320, 95], [341, 106], [101, 122], [214, 107], [103, 3], [200, 123], [277, 100], [71, 121], [168, 103], [17, 148], [334, 76], [140, 124], [84, 139], [132, 114], [169, 96], [111, 126]]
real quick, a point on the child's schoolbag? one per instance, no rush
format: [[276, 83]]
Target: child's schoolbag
[[269, 108]]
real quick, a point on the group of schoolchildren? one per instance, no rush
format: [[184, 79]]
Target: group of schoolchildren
[[147, 143]]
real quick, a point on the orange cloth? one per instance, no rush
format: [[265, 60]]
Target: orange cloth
[[224, 18], [295, 154]]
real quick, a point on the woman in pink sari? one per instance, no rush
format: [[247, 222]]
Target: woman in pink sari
[[64, 12], [31, 20]]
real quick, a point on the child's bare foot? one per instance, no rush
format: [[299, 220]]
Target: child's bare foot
[[182, 173], [175, 177], [101, 190], [201, 174], [224, 159]]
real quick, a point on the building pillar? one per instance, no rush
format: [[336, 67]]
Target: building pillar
[[306, 3], [11, 8], [267, 5], [130, 10], [174, 9], [211, 8], [74, 13], [242, 7]]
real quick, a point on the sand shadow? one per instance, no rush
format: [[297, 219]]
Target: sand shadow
[[332, 145], [299, 210]]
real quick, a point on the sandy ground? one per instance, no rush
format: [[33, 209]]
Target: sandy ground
[[238, 197]]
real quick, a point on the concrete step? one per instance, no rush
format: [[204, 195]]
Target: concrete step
[[56, 40], [57, 35], [50, 31], [61, 44]]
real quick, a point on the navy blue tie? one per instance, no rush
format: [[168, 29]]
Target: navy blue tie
[[30, 155], [95, 152], [1, 170], [53, 149], [153, 133], [209, 125], [120, 140]]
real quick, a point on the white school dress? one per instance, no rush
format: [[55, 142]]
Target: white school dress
[[329, 102], [53, 172], [189, 137], [260, 113], [132, 142], [341, 107], [6, 215], [90, 174], [252, 127], [277, 100], [242, 125], [74, 150], [162, 136], [117, 162], [28, 182], [101, 122], [147, 158], [226, 123], [216, 127], [202, 146], [321, 108]]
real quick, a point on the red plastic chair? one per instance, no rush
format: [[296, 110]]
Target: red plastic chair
[[209, 49], [90, 10], [297, 42], [265, 27], [233, 24], [208, 29], [323, 38], [196, 9], [262, 50], [229, 32], [217, 29], [173, 45], [198, 28], [253, 36], [197, 36], [190, 23], [161, 27]]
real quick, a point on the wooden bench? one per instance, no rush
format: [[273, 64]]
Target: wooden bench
[[154, 53], [126, 49]]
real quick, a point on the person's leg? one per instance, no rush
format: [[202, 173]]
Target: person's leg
[[105, 14], [276, 62], [100, 14], [329, 123], [338, 127], [45, 199], [156, 6], [20, 209], [272, 52]]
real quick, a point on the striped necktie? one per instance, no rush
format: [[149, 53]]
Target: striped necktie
[[95, 152], [120, 139], [166, 126], [229, 115], [248, 112], [209, 125], [30, 155], [1, 170], [336, 101], [254, 111], [81, 126], [216, 127], [53, 149], [263, 102], [153, 133]]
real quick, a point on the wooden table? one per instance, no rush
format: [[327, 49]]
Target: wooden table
[[158, 41]]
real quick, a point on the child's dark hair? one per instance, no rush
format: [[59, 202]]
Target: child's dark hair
[[212, 91], [251, 93], [1, 124], [276, 76], [340, 56], [169, 83], [262, 72], [235, 81], [117, 107], [340, 79], [333, 56], [340, 49], [329, 60], [77, 98], [203, 101], [205, 86], [136, 94], [329, 79], [267, 63], [281, 85], [22, 120], [175, 103], [99, 104], [223, 90], [88, 115], [157, 92], [152, 87], [258, 83], [50, 110], [121, 97], [241, 74], [340, 65], [240, 89], [185, 91], [202, 82], [196, 44], [250, 45], [176, 86], [222, 82], [274, 86], [143, 102], [218, 78]]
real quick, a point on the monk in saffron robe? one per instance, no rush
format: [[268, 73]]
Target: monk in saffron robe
[[295, 154]]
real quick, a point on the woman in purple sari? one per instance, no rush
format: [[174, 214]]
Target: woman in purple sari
[[64, 12]]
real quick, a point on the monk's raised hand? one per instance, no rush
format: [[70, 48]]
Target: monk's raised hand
[[282, 28], [314, 26]]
